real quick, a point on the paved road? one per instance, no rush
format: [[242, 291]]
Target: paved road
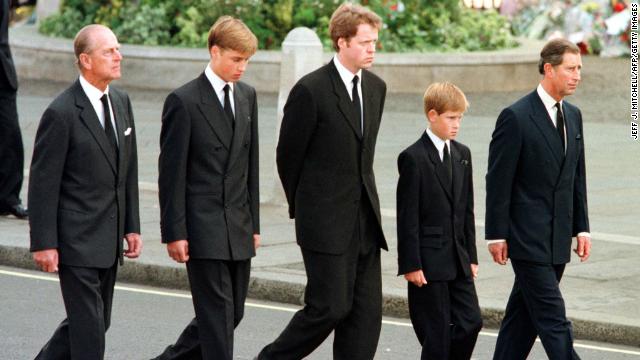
[[147, 319]]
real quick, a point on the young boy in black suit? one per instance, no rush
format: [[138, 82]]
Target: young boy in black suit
[[436, 230]]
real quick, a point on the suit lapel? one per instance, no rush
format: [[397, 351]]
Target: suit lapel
[[118, 111], [457, 170], [90, 119], [540, 118], [212, 110], [242, 121], [367, 105], [437, 164], [571, 128], [344, 101]]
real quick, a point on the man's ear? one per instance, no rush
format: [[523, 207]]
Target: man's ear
[[548, 69], [214, 51], [84, 60], [431, 115], [343, 43]]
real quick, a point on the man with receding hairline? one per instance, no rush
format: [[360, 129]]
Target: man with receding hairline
[[325, 162], [536, 202], [83, 195]]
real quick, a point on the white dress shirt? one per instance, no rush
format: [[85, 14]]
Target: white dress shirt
[[439, 143], [347, 79], [94, 94], [218, 86]]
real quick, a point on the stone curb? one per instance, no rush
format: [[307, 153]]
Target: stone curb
[[293, 293]]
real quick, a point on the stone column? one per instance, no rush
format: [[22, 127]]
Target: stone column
[[301, 54], [45, 8]]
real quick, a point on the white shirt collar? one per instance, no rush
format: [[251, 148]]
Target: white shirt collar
[[346, 75], [217, 83], [548, 101], [439, 143], [93, 93]]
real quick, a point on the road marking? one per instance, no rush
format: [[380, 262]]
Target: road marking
[[290, 309]]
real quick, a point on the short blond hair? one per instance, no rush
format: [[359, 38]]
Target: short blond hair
[[346, 19], [232, 34], [443, 97]]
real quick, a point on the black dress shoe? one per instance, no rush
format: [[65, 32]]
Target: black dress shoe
[[18, 211]]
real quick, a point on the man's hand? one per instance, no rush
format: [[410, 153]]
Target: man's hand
[[499, 252], [583, 248], [474, 270], [416, 278], [134, 245], [47, 259], [256, 241], [178, 250]]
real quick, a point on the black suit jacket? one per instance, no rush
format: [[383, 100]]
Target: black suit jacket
[[435, 225], [209, 190], [323, 163], [536, 195], [81, 200], [8, 76]]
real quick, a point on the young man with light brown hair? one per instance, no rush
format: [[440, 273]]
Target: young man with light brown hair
[[209, 191], [325, 162], [436, 230]]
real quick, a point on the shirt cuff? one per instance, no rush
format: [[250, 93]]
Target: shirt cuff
[[489, 242], [584, 234]]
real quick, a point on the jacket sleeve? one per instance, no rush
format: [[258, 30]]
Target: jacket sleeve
[[469, 220], [175, 136], [408, 214], [580, 212], [298, 124], [253, 183], [132, 217], [504, 153], [45, 177]]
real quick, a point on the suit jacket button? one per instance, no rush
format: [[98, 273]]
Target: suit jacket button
[[226, 207]]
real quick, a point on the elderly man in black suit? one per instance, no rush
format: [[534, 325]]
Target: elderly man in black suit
[[11, 149], [325, 162], [83, 195], [536, 202], [209, 190]]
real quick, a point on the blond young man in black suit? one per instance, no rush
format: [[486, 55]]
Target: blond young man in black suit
[[83, 195], [325, 162], [436, 231], [209, 191]]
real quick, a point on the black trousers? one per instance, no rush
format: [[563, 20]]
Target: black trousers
[[535, 308], [446, 318], [344, 295], [219, 289], [87, 295], [11, 148]]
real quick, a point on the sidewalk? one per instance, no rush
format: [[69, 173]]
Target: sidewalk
[[601, 295]]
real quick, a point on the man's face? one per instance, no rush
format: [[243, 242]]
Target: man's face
[[102, 62], [228, 64], [357, 53], [566, 76], [445, 125]]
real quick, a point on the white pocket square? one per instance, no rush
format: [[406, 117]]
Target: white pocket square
[[127, 132]]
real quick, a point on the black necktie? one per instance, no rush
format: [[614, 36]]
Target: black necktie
[[227, 106], [560, 123], [356, 105], [446, 161], [108, 127]]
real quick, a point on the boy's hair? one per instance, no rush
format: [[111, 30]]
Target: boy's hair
[[231, 33], [443, 97], [553, 52], [346, 19]]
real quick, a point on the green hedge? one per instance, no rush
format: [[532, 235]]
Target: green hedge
[[410, 25]]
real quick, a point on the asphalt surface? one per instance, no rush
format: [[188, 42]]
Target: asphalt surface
[[146, 319]]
